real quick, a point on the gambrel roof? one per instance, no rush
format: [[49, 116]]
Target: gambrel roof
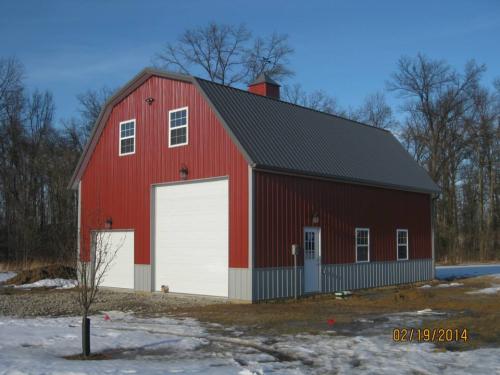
[[278, 136]]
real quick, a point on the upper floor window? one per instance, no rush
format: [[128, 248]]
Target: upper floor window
[[362, 245], [178, 127], [402, 238], [127, 137]]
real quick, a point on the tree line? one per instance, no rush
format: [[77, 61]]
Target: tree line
[[449, 120]]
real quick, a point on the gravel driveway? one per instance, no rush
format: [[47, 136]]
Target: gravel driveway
[[24, 303]]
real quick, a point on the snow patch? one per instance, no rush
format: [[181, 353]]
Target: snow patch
[[363, 320], [380, 355], [248, 372], [492, 290], [50, 283], [5, 276], [425, 312], [450, 285]]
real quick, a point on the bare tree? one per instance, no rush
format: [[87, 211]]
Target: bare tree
[[269, 55], [436, 97], [37, 211], [11, 87], [11, 134], [479, 177], [93, 263], [376, 112], [318, 100], [91, 103], [437, 100], [226, 54]]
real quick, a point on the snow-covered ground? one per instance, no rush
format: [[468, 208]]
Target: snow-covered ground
[[173, 346], [4, 276], [444, 285], [45, 283], [50, 283], [454, 272], [494, 289]]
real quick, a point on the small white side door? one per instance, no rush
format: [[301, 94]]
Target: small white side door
[[312, 259], [118, 249]]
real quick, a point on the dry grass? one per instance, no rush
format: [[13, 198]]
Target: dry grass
[[479, 313], [45, 272], [31, 264]]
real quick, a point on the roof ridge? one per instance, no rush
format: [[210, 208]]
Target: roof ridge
[[293, 104], [208, 88]]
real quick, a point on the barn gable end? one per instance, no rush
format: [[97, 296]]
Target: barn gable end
[[120, 189]]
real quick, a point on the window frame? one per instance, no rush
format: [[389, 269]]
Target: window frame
[[170, 145], [407, 244], [318, 240], [120, 138], [356, 244]]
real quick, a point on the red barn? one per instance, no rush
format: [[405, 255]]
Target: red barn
[[204, 188]]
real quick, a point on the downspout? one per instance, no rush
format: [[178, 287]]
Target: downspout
[[251, 287], [433, 224], [79, 219]]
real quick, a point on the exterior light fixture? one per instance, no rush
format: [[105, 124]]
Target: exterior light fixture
[[150, 100], [183, 173], [315, 218], [108, 224]]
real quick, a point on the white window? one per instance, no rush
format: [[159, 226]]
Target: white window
[[310, 244], [127, 137], [178, 127], [402, 239], [362, 245]]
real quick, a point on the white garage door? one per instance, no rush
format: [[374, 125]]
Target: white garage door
[[121, 270], [191, 237]]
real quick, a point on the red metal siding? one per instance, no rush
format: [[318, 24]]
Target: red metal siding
[[119, 187], [284, 205]]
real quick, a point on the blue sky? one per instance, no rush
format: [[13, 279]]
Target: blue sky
[[347, 48]]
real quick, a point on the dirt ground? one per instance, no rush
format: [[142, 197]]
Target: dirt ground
[[51, 302], [478, 313]]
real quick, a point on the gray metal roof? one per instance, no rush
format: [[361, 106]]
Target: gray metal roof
[[280, 136]]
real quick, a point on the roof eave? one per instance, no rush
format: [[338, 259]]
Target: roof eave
[[346, 180]]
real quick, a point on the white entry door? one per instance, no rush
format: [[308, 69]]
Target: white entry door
[[312, 259], [191, 237]]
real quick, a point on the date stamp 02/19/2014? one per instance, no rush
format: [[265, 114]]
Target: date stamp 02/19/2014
[[430, 335]]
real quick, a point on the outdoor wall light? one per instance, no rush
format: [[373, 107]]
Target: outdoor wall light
[[315, 218], [150, 100], [108, 223], [183, 172]]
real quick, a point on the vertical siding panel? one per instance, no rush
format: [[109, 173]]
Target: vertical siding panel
[[119, 187], [287, 203]]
